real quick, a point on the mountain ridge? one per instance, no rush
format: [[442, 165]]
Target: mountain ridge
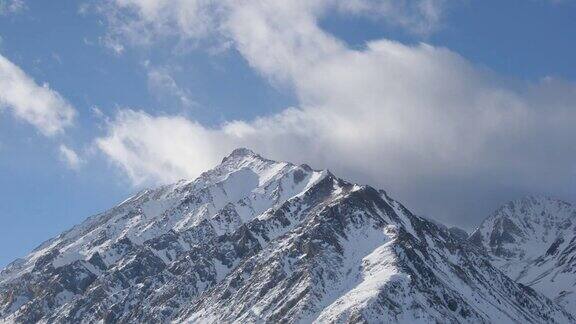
[[258, 240]]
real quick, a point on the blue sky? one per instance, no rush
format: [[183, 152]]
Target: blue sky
[[197, 84]]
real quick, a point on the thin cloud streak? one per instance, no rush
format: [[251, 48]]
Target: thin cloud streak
[[70, 157]]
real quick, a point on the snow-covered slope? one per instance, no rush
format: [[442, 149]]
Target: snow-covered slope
[[255, 240], [533, 240]]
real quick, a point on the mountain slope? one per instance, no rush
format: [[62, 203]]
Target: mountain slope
[[257, 240], [533, 240]]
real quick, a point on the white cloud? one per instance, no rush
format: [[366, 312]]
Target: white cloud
[[160, 148], [11, 6], [38, 105], [163, 86], [421, 17], [418, 119], [97, 113], [145, 22], [113, 44], [70, 157], [384, 111]]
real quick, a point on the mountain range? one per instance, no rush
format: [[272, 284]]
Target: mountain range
[[260, 241]]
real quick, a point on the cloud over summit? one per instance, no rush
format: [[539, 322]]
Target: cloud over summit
[[419, 120]]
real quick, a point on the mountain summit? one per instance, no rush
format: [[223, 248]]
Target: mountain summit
[[255, 240], [533, 240]]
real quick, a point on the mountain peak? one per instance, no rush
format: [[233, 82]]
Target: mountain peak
[[242, 153], [531, 239], [529, 212], [538, 200], [532, 206]]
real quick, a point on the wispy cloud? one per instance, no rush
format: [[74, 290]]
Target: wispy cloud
[[70, 157], [163, 85], [421, 17], [36, 104], [11, 6], [143, 22]]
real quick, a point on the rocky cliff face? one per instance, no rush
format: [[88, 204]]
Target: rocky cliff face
[[255, 240], [533, 240]]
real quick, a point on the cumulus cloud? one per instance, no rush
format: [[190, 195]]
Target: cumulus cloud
[[36, 104], [442, 134], [70, 157], [160, 149]]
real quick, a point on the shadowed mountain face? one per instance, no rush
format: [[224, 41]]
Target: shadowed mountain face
[[533, 240], [255, 240]]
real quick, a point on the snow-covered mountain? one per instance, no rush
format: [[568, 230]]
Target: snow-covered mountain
[[255, 240], [533, 240]]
